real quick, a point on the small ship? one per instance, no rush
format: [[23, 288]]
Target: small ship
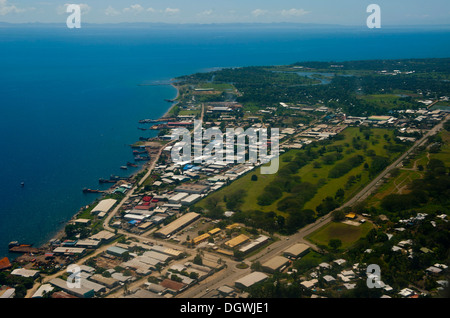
[[85, 190]]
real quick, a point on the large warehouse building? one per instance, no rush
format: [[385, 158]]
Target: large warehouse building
[[250, 280], [103, 207], [275, 264], [296, 250], [178, 224]]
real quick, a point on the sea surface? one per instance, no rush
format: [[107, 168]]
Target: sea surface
[[70, 99]]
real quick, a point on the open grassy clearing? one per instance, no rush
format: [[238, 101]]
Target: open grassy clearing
[[216, 86], [387, 101], [395, 185], [348, 234], [444, 153]]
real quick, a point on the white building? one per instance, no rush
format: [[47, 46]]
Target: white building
[[251, 279], [103, 207]]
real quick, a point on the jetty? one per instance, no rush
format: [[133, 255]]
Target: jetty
[[24, 249], [85, 190], [149, 121], [101, 180], [15, 247]]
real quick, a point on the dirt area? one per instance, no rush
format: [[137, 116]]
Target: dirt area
[[350, 222], [108, 263], [193, 229]]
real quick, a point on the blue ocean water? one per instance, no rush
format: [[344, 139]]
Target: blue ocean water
[[70, 99]]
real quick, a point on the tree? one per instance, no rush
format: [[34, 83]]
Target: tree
[[106, 274], [212, 202], [176, 278], [327, 205], [447, 125], [235, 199], [339, 194], [377, 165], [238, 255], [338, 215], [254, 177], [198, 260], [126, 256], [193, 275], [335, 244], [256, 266]]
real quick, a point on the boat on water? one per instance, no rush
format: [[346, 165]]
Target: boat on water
[[16, 243], [141, 128], [22, 184], [101, 180], [147, 121], [117, 178], [85, 190], [129, 164], [124, 167], [141, 158]]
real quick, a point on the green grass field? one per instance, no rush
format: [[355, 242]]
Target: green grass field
[[387, 101], [310, 260], [348, 234], [395, 185], [216, 86], [251, 187], [444, 153], [310, 174]]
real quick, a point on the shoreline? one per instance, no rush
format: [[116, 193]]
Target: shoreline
[[166, 114], [59, 234]]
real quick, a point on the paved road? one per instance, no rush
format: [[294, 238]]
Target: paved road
[[230, 274]]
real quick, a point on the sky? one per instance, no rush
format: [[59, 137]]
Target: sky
[[343, 12]]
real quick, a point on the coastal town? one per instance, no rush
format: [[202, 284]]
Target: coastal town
[[173, 229]]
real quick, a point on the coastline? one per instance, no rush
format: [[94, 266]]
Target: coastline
[[166, 114], [61, 232]]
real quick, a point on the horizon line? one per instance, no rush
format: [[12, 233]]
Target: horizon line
[[229, 24]]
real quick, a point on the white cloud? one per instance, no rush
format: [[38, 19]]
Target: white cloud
[[206, 12], [259, 12], [110, 11], [172, 11], [294, 12], [6, 8], [134, 8], [151, 10]]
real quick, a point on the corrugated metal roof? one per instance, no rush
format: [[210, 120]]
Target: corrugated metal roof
[[237, 240], [104, 206]]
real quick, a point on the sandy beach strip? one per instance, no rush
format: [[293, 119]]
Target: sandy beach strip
[[175, 102]]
